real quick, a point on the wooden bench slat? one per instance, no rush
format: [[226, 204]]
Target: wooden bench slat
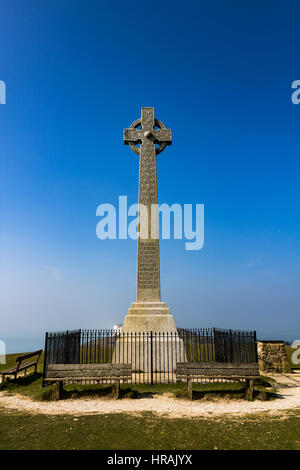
[[27, 365], [8, 371], [208, 373], [101, 366], [225, 377], [104, 371], [27, 356], [18, 368], [87, 373], [80, 379], [211, 369], [217, 365]]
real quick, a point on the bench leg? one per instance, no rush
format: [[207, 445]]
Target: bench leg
[[117, 389], [190, 388], [250, 388], [59, 389]]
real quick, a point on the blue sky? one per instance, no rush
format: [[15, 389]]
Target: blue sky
[[219, 74]]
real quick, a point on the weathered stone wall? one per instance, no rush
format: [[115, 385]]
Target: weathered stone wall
[[272, 356]]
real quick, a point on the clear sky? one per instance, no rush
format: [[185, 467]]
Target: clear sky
[[219, 74]]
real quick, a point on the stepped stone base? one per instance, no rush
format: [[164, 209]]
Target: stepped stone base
[[149, 316]]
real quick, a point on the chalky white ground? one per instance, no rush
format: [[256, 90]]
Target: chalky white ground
[[289, 399]]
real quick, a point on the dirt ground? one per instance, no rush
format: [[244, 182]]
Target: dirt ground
[[288, 389]]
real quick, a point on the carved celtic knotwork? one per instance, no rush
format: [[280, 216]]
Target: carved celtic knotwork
[[143, 136], [147, 133]]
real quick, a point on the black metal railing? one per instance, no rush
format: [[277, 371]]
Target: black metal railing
[[153, 355], [234, 346]]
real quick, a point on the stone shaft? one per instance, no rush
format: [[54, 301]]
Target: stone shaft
[[148, 132], [148, 313]]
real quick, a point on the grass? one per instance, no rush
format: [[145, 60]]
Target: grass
[[148, 431]]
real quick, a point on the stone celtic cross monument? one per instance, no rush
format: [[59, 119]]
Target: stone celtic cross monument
[[147, 137]]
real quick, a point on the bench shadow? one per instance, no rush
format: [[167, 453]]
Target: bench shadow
[[23, 380], [87, 393], [101, 392], [233, 395], [224, 394]]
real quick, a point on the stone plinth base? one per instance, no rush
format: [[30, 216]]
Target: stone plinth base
[[156, 353], [149, 340], [149, 316], [272, 356]]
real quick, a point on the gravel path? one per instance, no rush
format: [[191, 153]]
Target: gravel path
[[289, 399]]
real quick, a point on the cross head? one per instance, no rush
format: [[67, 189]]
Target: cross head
[[142, 132]]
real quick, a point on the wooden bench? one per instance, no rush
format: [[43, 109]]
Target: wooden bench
[[23, 367], [191, 371], [80, 372]]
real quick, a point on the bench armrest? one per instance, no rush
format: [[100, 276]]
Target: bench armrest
[[27, 356]]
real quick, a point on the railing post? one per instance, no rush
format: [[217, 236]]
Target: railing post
[[45, 359], [255, 346], [215, 347], [151, 357], [66, 347]]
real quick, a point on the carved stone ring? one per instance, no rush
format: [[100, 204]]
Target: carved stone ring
[[142, 131]]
